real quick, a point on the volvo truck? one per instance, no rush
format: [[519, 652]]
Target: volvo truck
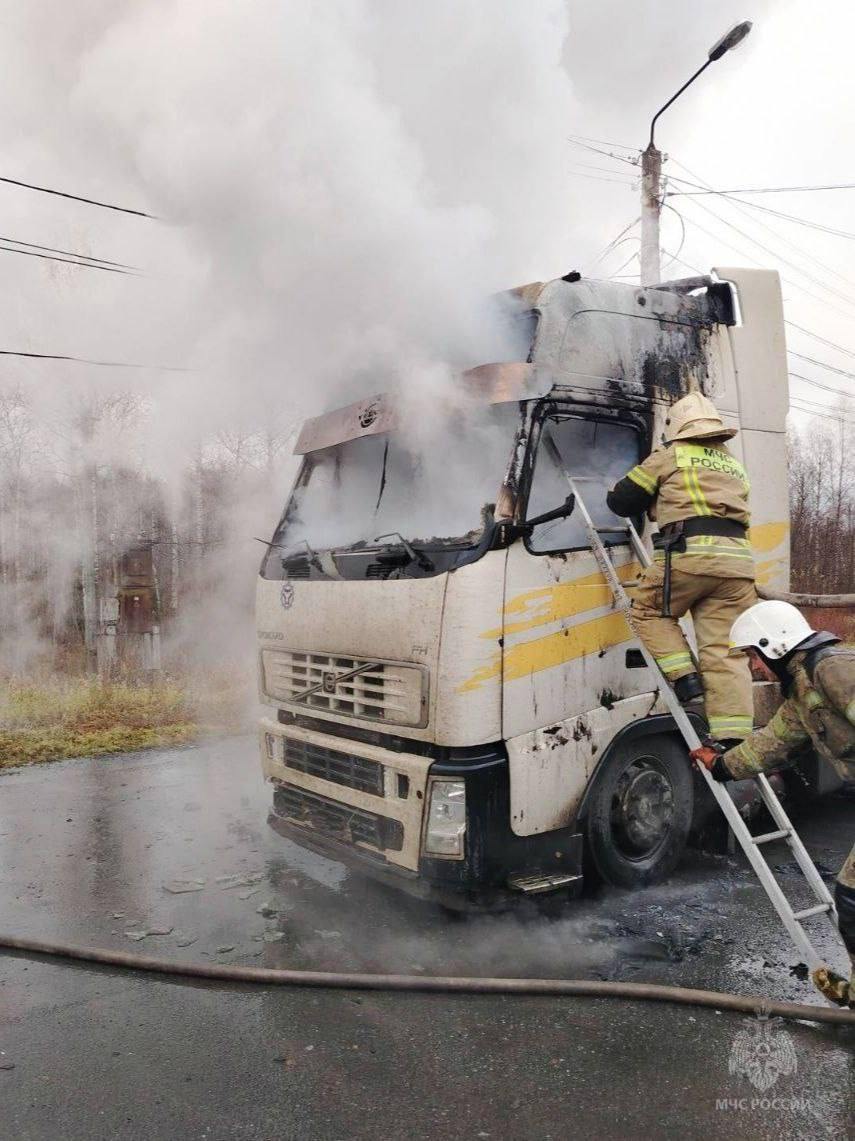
[[454, 702]]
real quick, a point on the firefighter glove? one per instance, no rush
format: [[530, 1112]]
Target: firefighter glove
[[710, 756]]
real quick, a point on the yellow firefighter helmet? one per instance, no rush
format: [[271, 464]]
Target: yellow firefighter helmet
[[694, 417]]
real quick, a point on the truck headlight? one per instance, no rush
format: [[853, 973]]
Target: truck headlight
[[446, 824]]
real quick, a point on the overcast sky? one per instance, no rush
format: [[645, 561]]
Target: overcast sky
[[340, 181]]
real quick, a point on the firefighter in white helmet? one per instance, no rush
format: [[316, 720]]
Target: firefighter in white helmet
[[817, 676], [697, 491]]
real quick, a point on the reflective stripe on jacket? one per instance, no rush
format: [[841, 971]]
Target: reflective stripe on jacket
[[692, 479]]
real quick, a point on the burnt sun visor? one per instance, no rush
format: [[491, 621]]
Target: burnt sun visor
[[498, 383]]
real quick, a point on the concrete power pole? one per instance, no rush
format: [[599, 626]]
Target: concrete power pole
[[651, 207]]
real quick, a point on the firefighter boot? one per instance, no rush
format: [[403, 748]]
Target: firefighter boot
[[688, 688]]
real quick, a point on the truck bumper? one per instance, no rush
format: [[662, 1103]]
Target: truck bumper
[[377, 827]]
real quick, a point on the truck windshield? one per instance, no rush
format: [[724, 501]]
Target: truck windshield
[[390, 485]]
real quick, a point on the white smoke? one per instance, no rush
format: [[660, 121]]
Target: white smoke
[[340, 188]]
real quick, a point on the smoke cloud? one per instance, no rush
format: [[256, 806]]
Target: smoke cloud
[[339, 187]]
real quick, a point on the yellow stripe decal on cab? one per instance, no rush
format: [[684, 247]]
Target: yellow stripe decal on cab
[[552, 650]]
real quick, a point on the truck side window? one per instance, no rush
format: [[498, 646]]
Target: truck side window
[[602, 451]]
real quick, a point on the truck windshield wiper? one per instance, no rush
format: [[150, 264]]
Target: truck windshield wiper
[[417, 557], [291, 550]]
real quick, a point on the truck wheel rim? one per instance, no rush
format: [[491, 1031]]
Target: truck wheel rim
[[642, 810]]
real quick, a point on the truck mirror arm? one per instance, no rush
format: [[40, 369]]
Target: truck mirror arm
[[562, 512]]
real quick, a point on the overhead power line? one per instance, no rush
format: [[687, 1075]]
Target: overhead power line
[[830, 367], [814, 411], [68, 253], [728, 196], [69, 261], [77, 198], [86, 360], [599, 151], [776, 256], [776, 189], [601, 178], [824, 387], [822, 340], [808, 222], [602, 142]]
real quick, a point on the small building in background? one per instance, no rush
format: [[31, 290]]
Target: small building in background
[[129, 626]]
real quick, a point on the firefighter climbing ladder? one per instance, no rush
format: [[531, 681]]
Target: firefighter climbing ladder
[[793, 921]]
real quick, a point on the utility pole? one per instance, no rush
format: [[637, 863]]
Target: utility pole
[[651, 207], [651, 164]]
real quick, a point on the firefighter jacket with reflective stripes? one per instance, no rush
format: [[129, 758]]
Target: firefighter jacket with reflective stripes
[[685, 479], [820, 709]]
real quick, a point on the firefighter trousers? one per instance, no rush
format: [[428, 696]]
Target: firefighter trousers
[[715, 602]]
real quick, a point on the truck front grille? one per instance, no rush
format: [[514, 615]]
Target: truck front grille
[[340, 822], [329, 764], [348, 687]]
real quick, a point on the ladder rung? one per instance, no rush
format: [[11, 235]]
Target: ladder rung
[[809, 911], [768, 837]]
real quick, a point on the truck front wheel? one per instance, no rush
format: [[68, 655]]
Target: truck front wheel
[[640, 811]]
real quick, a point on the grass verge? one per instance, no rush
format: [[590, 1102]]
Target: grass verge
[[52, 719]]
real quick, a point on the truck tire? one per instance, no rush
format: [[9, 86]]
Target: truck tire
[[640, 811]]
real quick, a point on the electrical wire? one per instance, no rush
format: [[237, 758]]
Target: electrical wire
[[68, 253], [600, 178], [606, 170], [794, 266], [821, 415], [729, 197], [70, 261], [755, 223], [86, 360], [781, 189], [793, 218], [628, 261], [77, 198], [778, 236], [602, 142], [776, 256], [613, 244], [824, 387], [796, 285], [830, 367], [822, 340], [799, 404], [676, 256], [598, 151]]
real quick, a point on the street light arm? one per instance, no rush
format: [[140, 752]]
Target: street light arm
[[676, 95]]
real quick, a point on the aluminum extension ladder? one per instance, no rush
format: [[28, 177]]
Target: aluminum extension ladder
[[793, 921]]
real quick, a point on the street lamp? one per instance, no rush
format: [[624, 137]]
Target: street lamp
[[651, 163]]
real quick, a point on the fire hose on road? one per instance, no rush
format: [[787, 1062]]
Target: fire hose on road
[[268, 976]]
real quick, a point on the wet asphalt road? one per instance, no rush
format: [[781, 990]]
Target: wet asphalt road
[[89, 850]]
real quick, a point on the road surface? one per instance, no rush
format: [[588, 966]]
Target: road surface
[[99, 850]]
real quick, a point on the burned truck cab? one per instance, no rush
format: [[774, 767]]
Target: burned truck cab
[[455, 703]]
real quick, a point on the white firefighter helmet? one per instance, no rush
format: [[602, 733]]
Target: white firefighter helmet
[[695, 417], [774, 628]]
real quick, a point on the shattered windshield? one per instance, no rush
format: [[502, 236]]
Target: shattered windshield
[[389, 484]]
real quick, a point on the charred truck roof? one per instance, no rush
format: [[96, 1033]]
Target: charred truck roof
[[596, 342], [606, 339]]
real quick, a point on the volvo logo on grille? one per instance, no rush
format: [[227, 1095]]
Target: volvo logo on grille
[[329, 683], [330, 680]]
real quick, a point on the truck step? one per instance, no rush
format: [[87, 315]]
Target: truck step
[[533, 883]]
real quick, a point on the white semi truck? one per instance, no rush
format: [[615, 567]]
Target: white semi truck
[[455, 703]]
